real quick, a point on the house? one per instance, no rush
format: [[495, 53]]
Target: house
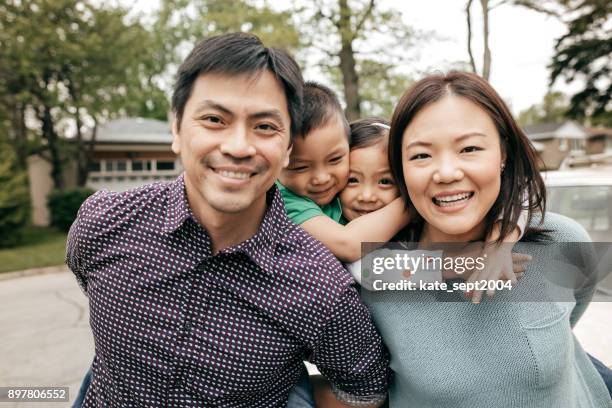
[[568, 145], [129, 152]]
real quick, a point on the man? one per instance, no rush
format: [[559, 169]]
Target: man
[[201, 291]]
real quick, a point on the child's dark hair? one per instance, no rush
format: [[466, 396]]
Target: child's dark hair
[[320, 106], [367, 132]]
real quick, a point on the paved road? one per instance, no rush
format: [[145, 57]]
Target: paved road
[[46, 341], [45, 335]]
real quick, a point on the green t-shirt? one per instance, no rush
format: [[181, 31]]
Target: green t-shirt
[[300, 209]]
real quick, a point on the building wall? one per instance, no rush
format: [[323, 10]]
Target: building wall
[[41, 184], [553, 154], [596, 145]]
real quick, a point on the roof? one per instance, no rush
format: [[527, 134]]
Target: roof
[[563, 130], [599, 131], [134, 130]]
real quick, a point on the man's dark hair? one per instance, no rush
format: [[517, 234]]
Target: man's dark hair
[[235, 54], [321, 105]]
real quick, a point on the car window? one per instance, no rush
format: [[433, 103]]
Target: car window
[[591, 206]]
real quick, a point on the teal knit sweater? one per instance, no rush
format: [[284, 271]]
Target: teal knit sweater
[[501, 353]]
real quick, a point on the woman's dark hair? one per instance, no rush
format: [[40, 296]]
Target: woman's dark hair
[[236, 54], [522, 186], [367, 132]]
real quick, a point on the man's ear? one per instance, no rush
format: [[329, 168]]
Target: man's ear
[[176, 140], [286, 161]]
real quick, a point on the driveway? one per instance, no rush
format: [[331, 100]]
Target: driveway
[[46, 340]]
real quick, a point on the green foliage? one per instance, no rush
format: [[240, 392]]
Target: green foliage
[[188, 21], [552, 109], [75, 62], [14, 197], [585, 53], [381, 88], [341, 33], [64, 206]]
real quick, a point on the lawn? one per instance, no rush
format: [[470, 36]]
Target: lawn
[[40, 247]]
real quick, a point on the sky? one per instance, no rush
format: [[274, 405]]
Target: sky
[[521, 43]]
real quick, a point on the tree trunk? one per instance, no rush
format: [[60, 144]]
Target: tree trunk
[[86, 153], [53, 145], [350, 78], [20, 135], [468, 16], [486, 61]]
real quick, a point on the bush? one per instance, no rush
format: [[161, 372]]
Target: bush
[[14, 197], [64, 205]]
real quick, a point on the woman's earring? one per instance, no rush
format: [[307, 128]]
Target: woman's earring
[[503, 166]]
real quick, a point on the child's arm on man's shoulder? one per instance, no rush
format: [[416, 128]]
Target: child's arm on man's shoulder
[[344, 241]]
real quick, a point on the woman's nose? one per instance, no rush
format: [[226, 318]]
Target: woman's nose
[[447, 172]]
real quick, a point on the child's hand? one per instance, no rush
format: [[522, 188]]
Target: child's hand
[[500, 264]]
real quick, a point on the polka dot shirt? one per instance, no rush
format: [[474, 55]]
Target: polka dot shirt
[[176, 326]]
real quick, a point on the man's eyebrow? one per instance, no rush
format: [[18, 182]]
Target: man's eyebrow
[[210, 104], [272, 113]]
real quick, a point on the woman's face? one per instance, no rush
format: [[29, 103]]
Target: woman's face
[[452, 163], [370, 184]]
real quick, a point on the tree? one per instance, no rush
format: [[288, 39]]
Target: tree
[[486, 57], [184, 22], [585, 53], [360, 42], [71, 63], [14, 196], [553, 108], [486, 7]]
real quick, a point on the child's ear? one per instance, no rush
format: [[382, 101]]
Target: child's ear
[[176, 140], [287, 157]]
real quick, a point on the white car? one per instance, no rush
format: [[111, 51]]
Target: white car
[[585, 196]]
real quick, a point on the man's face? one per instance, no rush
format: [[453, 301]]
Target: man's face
[[319, 163], [233, 140]]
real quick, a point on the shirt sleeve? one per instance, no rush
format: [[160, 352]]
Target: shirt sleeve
[[351, 355], [299, 209], [74, 257], [76, 244]]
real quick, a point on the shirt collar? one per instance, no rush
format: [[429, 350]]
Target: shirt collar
[[260, 247], [177, 207]]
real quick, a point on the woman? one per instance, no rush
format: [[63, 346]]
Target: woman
[[461, 160]]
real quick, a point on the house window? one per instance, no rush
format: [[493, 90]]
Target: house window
[[165, 165], [141, 165], [95, 166], [563, 145], [577, 145]]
